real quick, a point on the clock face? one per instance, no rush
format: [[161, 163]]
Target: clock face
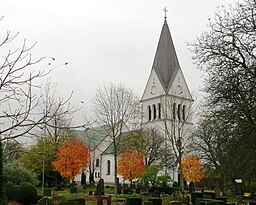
[[153, 90], [179, 90]]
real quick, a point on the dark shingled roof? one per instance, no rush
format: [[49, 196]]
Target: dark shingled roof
[[166, 64]]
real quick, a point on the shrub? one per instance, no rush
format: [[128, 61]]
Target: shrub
[[16, 173], [28, 193], [3, 200], [12, 191], [39, 196]]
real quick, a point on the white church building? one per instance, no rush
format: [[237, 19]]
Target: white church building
[[165, 101]]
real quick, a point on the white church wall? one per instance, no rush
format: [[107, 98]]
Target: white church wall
[[107, 168]]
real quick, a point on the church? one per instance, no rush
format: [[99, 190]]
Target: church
[[166, 105]]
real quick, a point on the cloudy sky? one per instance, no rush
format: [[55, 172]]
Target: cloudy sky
[[107, 41]]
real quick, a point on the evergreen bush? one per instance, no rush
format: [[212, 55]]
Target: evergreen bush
[[12, 191], [28, 193], [16, 173]]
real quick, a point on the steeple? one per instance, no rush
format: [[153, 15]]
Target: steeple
[[166, 64]]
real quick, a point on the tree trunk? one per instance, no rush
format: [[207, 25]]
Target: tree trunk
[[115, 165], [1, 174]]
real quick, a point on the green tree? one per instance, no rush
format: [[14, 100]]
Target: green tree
[[149, 142], [39, 157], [44, 151], [226, 52], [150, 175]]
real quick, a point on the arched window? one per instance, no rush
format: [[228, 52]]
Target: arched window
[[159, 110], [179, 112], [154, 111], [149, 113], [184, 112], [174, 111], [108, 167], [97, 162]]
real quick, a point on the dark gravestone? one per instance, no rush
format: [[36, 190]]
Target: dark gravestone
[[47, 192], [73, 189], [69, 203], [80, 189], [99, 188], [195, 195], [156, 201], [175, 203], [119, 189], [102, 198], [44, 201], [134, 201], [80, 201], [148, 203]]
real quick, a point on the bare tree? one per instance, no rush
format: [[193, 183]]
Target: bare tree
[[177, 126], [18, 98], [12, 150], [117, 108], [58, 113], [23, 107]]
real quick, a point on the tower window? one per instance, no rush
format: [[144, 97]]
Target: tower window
[[149, 113], [108, 167], [179, 112], [184, 112], [97, 162], [159, 110], [174, 110], [154, 111]]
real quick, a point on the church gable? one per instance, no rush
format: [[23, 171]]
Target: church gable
[[179, 87], [153, 87]]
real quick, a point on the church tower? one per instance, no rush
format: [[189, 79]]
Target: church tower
[[166, 95], [166, 103]]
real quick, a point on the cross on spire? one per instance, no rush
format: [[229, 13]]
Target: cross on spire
[[165, 11]]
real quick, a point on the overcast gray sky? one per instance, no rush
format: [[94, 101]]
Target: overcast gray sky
[[107, 41]]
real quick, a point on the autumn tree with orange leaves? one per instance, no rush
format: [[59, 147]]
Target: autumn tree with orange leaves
[[131, 165], [192, 168], [72, 156]]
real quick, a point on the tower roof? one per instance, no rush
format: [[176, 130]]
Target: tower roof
[[166, 64]]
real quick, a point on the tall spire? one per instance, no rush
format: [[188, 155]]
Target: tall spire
[[166, 64]]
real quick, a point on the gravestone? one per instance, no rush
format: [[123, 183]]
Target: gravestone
[[148, 203], [100, 188], [44, 201], [47, 191], [80, 189]]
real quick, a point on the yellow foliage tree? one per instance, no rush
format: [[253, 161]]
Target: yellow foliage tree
[[192, 168], [131, 165]]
